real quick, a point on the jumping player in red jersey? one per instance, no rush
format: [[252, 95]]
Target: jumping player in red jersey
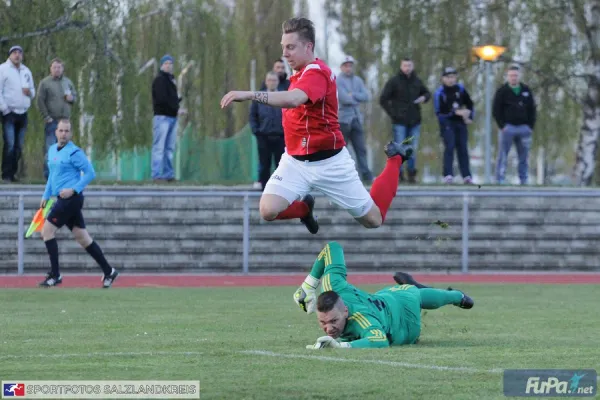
[[316, 156]]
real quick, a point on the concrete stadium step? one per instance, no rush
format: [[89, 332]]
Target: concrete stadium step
[[280, 236], [204, 234], [373, 246]]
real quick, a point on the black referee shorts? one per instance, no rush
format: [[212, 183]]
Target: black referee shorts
[[67, 212]]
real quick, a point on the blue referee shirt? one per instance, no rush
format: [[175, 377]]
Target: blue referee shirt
[[66, 166]]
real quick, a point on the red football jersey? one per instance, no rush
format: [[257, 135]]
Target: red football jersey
[[313, 126]]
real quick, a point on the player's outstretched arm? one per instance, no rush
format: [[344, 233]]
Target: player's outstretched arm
[[282, 99], [306, 295], [370, 342], [375, 340], [369, 331], [335, 273], [329, 261]]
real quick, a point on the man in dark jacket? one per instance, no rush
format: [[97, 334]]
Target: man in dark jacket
[[279, 69], [454, 109], [266, 125], [165, 101], [401, 99], [515, 114]]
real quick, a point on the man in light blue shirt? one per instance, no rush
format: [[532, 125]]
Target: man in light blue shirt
[[69, 174], [352, 92]]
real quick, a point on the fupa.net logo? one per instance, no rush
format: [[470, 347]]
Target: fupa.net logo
[[555, 386], [550, 383]]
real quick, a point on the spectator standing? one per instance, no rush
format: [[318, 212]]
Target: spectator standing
[[352, 92], [279, 69], [515, 114], [283, 85], [401, 99], [165, 101], [56, 95], [266, 124], [17, 89], [454, 110]]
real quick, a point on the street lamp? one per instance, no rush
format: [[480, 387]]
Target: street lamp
[[489, 54]]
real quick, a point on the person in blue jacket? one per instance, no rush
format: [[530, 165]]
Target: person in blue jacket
[[70, 172], [454, 109]]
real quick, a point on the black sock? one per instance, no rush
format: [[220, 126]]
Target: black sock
[[52, 247], [96, 252]]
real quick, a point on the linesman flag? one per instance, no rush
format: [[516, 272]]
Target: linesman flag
[[38, 219]]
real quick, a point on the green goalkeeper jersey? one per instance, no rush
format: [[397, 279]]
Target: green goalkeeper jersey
[[390, 316]]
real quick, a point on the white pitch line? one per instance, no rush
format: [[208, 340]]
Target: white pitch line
[[377, 362], [101, 354]]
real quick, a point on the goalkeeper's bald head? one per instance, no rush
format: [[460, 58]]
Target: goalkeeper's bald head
[[332, 313]]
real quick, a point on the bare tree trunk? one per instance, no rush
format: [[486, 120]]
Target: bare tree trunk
[[590, 130], [588, 140]]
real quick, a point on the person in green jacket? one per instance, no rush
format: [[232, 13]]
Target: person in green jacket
[[353, 318]]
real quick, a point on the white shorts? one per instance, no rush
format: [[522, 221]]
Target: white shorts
[[335, 177]]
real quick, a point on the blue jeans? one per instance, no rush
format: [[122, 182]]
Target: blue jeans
[[50, 133], [521, 136], [455, 136], [13, 129], [164, 132], [401, 133]]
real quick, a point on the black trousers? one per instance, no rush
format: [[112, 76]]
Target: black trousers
[[270, 148]]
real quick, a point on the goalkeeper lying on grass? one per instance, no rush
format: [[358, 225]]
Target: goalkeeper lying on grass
[[352, 318]]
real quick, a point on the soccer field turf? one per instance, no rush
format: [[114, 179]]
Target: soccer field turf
[[249, 343]]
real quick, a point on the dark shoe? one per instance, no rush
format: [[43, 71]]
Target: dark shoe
[[107, 280], [395, 149], [466, 301], [51, 281], [310, 221], [402, 278], [412, 176]]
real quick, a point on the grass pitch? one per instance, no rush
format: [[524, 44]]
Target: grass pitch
[[249, 343]]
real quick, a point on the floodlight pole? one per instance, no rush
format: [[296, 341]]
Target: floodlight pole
[[488, 122]]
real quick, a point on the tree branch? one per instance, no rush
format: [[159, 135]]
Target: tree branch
[[47, 31], [548, 78], [60, 24]]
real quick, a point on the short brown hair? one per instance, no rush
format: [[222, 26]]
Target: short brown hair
[[57, 60], [64, 121], [327, 301], [304, 27]]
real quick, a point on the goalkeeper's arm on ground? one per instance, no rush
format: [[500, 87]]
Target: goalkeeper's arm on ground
[[370, 339], [329, 269]]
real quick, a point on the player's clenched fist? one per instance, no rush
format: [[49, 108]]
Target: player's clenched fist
[[305, 296], [325, 342]]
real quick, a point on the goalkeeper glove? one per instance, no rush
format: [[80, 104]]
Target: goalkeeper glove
[[305, 295], [325, 342]]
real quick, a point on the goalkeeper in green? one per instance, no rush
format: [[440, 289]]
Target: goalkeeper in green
[[352, 318]]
